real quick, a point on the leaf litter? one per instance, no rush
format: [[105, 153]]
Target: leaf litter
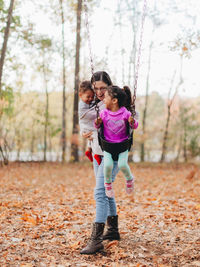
[[47, 209]]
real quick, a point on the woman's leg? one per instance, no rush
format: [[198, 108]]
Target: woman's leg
[[99, 193], [112, 210], [112, 232], [104, 206], [95, 243]]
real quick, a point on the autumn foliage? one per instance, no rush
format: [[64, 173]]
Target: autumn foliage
[[46, 212]]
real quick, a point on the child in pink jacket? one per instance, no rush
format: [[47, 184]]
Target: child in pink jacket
[[115, 118]]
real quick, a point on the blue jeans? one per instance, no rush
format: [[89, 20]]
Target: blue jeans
[[104, 206]]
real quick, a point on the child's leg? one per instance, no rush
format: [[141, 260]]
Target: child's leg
[[98, 158], [124, 167], [108, 166], [88, 152]]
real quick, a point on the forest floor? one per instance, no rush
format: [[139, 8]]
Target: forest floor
[[47, 209]]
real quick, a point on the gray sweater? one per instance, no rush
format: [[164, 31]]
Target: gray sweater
[[87, 116]]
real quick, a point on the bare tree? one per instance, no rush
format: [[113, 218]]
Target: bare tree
[[142, 153], [46, 123], [5, 41], [63, 134], [3, 148], [184, 45], [170, 101], [74, 154]]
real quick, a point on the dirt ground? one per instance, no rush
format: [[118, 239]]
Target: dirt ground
[[47, 209]]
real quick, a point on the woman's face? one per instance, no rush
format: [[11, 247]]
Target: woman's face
[[100, 89]]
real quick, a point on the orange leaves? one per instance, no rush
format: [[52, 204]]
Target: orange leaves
[[75, 245], [113, 243], [191, 175], [34, 220], [197, 207], [47, 210]]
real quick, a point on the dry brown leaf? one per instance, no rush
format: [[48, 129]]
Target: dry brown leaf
[[57, 216], [191, 175], [112, 243]]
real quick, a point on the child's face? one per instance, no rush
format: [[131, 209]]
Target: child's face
[[87, 96], [108, 101]]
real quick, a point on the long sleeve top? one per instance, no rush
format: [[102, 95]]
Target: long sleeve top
[[85, 123], [115, 124], [87, 116]]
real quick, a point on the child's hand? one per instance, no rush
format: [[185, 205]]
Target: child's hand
[[87, 135], [98, 121], [133, 123], [131, 120]]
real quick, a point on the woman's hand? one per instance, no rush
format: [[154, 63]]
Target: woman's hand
[[87, 135]]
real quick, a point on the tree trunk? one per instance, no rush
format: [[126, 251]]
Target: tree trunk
[[179, 149], [74, 154], [142, 152], [164, 147], [3, 153], [185, 143], [18, 144], [46, 111], [132, 61], [5, 41], [63, 134]]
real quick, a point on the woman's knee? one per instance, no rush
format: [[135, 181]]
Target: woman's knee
[[99, 193]]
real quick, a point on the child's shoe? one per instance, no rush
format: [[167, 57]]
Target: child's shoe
[[88, 154], [109, 190], [98, 158], [129, 186]]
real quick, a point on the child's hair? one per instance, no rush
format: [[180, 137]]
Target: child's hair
[[85, 86], [123, 96], [101, 76], [129, 99]]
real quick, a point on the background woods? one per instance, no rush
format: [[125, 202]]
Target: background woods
[[45, 54], [47, 208]]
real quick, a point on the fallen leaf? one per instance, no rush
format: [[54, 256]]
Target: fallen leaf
[[112, 243]]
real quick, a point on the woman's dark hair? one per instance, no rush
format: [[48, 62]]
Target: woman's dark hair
[[123, 96], [101, 76]]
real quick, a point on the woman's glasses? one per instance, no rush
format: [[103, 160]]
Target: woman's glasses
[[100, 89]]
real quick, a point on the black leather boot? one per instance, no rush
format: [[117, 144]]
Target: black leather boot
[[112, 231], [95, 243]]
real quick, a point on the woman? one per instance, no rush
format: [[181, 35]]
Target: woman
[[105, 207]]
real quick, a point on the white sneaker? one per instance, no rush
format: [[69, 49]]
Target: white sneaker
[[129, 186]]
